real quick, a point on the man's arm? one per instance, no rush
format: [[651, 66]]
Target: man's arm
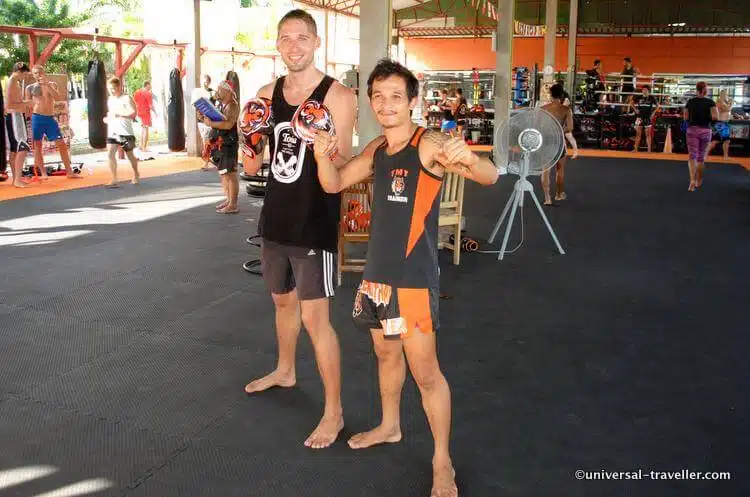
[[252, 164], [714, 113], [454, 155], [334, 179], [54, 91], [343, 105], [569, 126]]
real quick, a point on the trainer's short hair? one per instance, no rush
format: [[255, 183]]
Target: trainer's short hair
[[147, 82], [387, 68], [646, 87], [115, 82], [556, 91], [21, 67], [302, 15], [597, 62]]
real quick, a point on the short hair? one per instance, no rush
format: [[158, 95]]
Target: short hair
[[301, 15], [556, 91], [114, 82], [147, 82], [386, 68], [597, 62], [628, 59], [21, 67], [701, 87], [459, 91], [206, 76], [38, 66], [646, 87]]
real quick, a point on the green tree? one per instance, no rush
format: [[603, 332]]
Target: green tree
[[70, 56]]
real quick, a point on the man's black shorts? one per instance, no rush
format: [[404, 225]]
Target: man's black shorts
[[126, 142], [308, 270]]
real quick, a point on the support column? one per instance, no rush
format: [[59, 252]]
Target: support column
[[192, 80], [374, 42], [503, 69], [33, 50], [572, 49], [550, 19]]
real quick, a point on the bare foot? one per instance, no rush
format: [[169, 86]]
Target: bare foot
[[275, 379], [73, 176], [112, 184], [222, 205], [20, 185], [326, 432], [444, 481], [691, 188], [380, 435], [228, 209], [136, 179], [561, 196]]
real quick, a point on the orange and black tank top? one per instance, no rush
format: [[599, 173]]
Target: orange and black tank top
[[402, 250]]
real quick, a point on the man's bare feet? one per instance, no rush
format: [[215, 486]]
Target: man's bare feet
[[228, 209], [691, 188], [112, 184], [19, 184], [326, 433], [379, 435], [222, 204], [136, 179], [73, 175], [275, 379], [561, 196], [444, 481]]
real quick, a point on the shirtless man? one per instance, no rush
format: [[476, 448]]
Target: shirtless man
[[563, 114], [397, 301], [721, 128], [42, 95], [299, 222], [16, 119]]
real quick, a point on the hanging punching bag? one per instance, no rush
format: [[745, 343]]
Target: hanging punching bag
[[3, 159], [96, 94], [175, 113], [234, 80]]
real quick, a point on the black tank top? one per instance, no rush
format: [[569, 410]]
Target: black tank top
[[296, 210], [402, 251]]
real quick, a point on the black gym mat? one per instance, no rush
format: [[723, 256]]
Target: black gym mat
[[125, 349]]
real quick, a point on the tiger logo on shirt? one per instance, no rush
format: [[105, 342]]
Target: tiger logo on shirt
[[398, 185]]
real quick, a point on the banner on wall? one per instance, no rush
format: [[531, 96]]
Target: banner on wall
[[521, 29]]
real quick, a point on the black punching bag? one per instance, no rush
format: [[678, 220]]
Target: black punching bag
[[3, 158], [96, 93], [175, 113], [234, 80]]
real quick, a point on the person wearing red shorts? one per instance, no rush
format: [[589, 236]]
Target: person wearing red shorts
[[144, 104]]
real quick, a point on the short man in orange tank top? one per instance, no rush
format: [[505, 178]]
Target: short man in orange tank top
[[398, 297]]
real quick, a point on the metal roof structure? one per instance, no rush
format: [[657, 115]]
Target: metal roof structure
[[436, 18]]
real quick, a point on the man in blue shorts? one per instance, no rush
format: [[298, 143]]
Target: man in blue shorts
[[43, 94]]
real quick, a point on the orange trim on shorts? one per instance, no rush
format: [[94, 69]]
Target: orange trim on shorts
[[414, 307]]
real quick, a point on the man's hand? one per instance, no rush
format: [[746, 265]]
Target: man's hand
[[324, 144], [455, 154]]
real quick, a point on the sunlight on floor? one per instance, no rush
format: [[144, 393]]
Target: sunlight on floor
[[25, 231]]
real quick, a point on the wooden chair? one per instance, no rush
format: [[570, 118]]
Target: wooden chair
[[451, 209], [362, 193]]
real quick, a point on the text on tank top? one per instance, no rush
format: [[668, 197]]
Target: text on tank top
[[402, 249], [296, 210]]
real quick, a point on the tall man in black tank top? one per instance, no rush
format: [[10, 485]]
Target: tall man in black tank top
[[299, 221], [398, 298]]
